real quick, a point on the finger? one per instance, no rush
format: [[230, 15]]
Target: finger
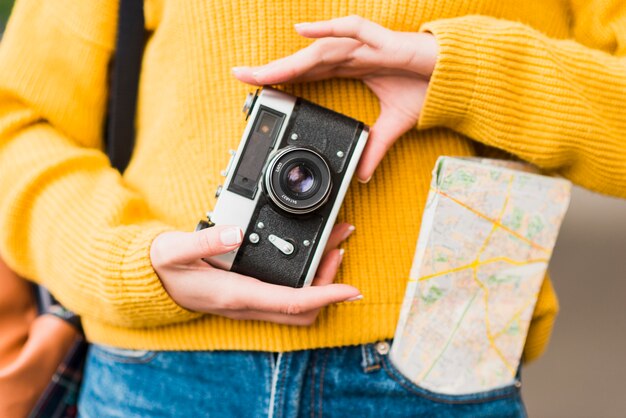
[[226, 291], [320, 72], [382, 136], [354, 27], [185, 247], [328, 268], [322, 53], [261, 296], [354, 70], [325, 276], [340, 233], [303, 320]]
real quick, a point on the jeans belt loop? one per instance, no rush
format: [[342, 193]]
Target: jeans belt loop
[[371, 361]]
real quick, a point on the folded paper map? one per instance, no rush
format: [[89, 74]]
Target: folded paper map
[[487, 235]]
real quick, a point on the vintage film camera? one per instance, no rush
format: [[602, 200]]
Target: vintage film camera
[[284, 186]]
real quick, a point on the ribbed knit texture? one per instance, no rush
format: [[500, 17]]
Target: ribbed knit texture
[[70, 221]]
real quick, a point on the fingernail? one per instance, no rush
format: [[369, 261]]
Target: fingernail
[[367, 180], [354, 298], [235, 70], [349, 232], [230, 236], [341, 251], [301, 25]]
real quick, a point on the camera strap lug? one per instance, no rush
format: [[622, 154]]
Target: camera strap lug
[[205, 224], [224, 173]]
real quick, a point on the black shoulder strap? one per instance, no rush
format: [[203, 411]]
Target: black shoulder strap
[[124, 83]]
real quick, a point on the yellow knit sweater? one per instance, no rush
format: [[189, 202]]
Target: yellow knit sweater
[[541, 79]]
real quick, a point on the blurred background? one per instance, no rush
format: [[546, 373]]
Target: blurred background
[[5, 9], [581, 373]]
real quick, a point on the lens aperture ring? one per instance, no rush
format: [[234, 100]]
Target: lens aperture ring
[[298, 180]]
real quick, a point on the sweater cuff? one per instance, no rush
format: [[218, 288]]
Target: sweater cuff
[[141, 299], [453, 83]]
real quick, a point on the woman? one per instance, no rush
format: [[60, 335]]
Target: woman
[[543, 81]]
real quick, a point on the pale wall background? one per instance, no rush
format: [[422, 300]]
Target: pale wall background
[[582, 373]]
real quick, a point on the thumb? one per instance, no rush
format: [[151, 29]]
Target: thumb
[[383, 135], [186, 247]]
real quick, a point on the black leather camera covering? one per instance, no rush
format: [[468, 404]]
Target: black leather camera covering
[[264, 260], [328, 133]]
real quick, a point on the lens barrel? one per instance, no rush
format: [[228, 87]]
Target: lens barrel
[[298, 180]]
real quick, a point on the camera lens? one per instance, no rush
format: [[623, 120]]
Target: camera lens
[[298, 180]]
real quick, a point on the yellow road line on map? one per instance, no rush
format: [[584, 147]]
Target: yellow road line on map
[[514, 262], [482, 215], [500, 216], [492, 341], [474, 265], [516, 316], [480, 264], [496, 224]]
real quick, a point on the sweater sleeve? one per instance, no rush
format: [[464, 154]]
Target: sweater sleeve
[[556, 103], [67, 219]]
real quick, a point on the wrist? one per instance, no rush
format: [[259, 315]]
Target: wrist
[[453, 79], [428, 53]]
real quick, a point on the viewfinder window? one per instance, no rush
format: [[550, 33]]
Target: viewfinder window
[[262, 137]]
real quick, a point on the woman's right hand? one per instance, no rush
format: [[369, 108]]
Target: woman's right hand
[[197, 286]]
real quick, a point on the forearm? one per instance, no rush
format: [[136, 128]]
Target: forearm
[[67, 219], [555, 103]]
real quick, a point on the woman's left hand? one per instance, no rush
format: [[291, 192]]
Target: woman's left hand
[[396, 66]]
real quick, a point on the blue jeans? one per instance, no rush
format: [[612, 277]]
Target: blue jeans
[[354, 381]]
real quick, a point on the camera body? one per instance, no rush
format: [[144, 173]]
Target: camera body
[[284, 186]]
